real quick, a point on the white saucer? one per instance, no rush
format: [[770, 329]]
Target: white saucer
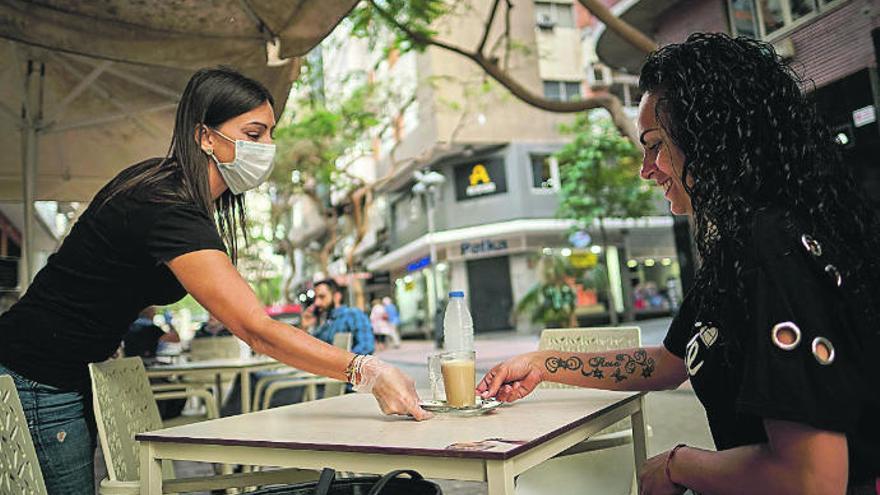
[[482, 406]]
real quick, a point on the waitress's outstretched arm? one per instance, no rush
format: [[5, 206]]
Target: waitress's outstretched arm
[[210, 277]]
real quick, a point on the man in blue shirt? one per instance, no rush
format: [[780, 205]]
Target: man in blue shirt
[[338, 318]]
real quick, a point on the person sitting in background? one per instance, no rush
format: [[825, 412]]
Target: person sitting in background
[[339, 318], [143, 336], [142, 340], [212, 328]]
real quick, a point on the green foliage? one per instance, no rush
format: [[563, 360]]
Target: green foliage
[[599, 172], [318, 134], [417, 15], [552, 300]]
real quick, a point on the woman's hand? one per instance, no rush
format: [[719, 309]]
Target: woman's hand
[[653, 479], [513, 379], [394, 391]]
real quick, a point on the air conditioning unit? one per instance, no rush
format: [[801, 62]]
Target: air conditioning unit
[[599, 76], [546, 22]]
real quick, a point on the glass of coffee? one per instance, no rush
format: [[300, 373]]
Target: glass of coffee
[[453, 378]]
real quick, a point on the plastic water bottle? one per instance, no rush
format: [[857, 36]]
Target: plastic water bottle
[[458, 327]]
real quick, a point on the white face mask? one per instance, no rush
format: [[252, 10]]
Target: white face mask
[[251, 166]]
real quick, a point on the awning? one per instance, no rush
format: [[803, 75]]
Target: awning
[[533, 226], [88, 88]]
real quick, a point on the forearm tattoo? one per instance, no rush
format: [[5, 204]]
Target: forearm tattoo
[[600, 367]]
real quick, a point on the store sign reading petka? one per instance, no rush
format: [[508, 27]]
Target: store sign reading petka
[[484, 246], [483, 178]]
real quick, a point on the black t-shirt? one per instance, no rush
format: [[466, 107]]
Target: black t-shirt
[[743, 380], [109, 268]]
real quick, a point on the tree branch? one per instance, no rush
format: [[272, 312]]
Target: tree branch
[[607, 101], [622, 28], [488, 27]]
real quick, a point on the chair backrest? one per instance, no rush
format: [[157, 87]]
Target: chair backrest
[[599, 339], [124, 407], [214, 348], [342, 340], [19, 468]]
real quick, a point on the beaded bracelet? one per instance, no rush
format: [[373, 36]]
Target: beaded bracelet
[[352, 369], [669, 460]]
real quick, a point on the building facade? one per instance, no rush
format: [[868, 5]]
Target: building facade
[[833, 44], [496, 211]]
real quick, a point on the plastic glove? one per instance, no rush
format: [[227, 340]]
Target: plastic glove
[[394, 391]]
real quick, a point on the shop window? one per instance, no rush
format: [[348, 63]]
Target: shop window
[[743, 18], [763, 18], [545, 172], [549, 15], [562, 90]]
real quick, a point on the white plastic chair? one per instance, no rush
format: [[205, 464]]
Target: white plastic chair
[[20, 472], [604, 462], [168, 391], [204, 349], [214, 348], [124, 407]]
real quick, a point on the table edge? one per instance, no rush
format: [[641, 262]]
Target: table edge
[[360, 449]]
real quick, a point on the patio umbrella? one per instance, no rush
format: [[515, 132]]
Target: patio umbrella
[[88, 88]]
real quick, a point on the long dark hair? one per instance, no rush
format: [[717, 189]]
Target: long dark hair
[[211, 97], [752, 139]]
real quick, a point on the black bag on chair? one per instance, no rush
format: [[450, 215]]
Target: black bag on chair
[[390, 484]]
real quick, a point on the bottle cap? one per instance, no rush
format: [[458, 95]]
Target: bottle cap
[[456, 293]]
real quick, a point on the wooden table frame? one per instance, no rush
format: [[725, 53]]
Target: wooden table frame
[[498, 469], [217, 367]]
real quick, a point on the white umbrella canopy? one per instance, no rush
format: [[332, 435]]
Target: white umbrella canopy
[[94, 117], [89, 87]]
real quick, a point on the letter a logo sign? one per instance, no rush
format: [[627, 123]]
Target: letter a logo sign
[[480, 181], [479, 175]]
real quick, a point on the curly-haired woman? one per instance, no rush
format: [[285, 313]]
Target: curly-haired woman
[[778, 334]]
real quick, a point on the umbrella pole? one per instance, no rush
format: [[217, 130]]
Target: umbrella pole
[[32, 115]]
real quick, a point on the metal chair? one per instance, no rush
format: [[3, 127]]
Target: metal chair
[[125, 406], [19, 467], [267, 386], [602, 463]]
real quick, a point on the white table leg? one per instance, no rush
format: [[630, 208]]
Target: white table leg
[[151, 470], [245, 391], [218, 386], [640, 438], [499, 474]]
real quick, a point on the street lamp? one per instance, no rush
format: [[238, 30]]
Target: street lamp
[[428, 185]]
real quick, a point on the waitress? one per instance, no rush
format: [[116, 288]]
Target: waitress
[[161, 229]]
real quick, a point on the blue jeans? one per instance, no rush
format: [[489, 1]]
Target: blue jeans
[[62, 428]]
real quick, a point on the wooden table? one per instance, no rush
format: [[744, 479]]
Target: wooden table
[[349, 433], [217, 367]]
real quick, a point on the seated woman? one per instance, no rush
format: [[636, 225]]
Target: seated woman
[[778, 332]]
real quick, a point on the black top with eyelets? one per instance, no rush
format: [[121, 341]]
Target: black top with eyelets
[[743, 380]]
